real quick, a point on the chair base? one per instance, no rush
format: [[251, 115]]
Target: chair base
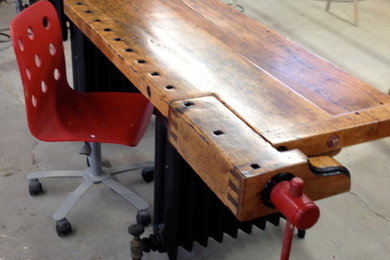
[[94, 175]]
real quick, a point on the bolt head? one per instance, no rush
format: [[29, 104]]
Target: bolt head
[[333, 141], [136, 230]]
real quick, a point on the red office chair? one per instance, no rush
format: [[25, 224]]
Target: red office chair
[[55, 112]]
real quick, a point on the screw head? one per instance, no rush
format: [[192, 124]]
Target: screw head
[[333, 141]]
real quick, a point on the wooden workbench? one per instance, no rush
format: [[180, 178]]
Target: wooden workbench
[[243, 103]]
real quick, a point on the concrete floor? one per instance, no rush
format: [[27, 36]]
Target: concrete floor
[[354, 225]]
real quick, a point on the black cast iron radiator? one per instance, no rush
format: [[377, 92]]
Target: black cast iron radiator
[[185, 209]]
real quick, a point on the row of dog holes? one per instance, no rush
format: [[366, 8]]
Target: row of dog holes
[[253, 165], [139, 61], [219, 132]]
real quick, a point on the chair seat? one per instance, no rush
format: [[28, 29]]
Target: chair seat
[[107, 117]]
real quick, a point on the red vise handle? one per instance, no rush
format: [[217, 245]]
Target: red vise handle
[[299, 210]]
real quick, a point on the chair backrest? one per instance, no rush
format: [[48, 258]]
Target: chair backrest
[[36, 37], [55, 112]]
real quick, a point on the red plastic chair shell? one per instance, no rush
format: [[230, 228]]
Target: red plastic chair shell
[[56, 112]]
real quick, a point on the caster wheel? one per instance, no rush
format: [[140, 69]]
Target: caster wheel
[[148, 174], [35, 187], [63, 227], [301, 233], [143, 217]]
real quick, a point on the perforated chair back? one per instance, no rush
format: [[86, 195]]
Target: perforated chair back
[[55, 112]]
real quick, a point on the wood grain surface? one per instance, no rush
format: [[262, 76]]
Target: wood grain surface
[[275, 103], [185, 48], [236, 162]]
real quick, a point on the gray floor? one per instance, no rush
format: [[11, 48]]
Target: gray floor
[[354, 225]]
